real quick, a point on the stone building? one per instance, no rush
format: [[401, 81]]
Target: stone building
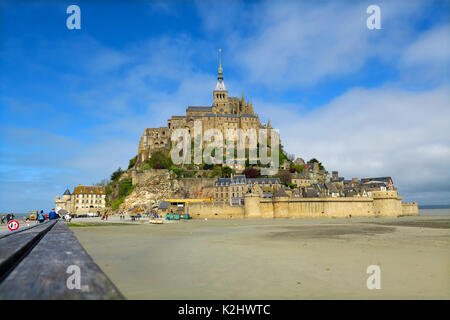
[[302, 179], [299, 162], [225, 113], [82, 200], [378, 182], [232, 190], [65, 202]]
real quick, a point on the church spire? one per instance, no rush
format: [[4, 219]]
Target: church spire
[[220, 86], [220, 70]]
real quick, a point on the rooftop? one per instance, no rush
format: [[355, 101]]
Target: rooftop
[[89, 190]]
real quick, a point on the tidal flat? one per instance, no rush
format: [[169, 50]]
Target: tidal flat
[[275, 259]]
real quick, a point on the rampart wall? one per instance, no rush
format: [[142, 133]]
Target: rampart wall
[[382, 203], [410, 208]]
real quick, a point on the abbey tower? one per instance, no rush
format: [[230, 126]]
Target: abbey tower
[[224, 113]]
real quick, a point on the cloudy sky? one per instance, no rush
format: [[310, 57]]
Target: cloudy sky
[[364, 102]]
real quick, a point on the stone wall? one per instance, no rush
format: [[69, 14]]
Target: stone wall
[[410, 208], [215, 210], [383, 203], [198, 187], [139, 178], [312, 208], [386, 203]]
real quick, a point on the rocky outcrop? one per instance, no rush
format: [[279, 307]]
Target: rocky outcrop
[[151, 187], [148, 194]]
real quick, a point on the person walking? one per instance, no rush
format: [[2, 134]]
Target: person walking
[[41, 217], [3, 219], [8, 218], [68, 217]]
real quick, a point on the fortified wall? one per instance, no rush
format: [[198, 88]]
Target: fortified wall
[[410, 208], [381, 204]]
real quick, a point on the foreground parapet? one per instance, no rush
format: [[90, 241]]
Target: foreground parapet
[[47, 262]]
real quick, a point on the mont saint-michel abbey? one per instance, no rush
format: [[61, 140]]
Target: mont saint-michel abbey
[[225, 113]]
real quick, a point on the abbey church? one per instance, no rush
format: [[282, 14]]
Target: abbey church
[[225, 113]]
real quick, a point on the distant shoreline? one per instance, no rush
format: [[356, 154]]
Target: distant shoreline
[[436, 206]]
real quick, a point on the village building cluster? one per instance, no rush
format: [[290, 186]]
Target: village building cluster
[[83, 200], [312, 182]]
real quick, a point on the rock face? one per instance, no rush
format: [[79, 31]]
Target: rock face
[[151, 187], [148, 194]]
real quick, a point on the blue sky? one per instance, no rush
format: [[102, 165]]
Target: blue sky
[[365, 102]]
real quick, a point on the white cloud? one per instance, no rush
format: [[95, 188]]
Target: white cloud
[[301, 43], [431, 46], [379, 132], [428, 56]]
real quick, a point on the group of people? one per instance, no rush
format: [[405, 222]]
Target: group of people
[[41, 217], [6, 219]]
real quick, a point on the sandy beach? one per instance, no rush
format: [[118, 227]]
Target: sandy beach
[[275, 259]]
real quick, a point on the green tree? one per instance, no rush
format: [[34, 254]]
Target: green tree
[[298, 168], [132, 162], [226, 172], [125, 187], [160, 160], [116, 174], [321, 167], [282, 156], [206, 166], [216, 172], [285, 177]]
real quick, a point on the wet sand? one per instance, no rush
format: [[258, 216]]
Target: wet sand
[[275, 259]]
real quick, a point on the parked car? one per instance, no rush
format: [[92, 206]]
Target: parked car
[[33, 215]]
